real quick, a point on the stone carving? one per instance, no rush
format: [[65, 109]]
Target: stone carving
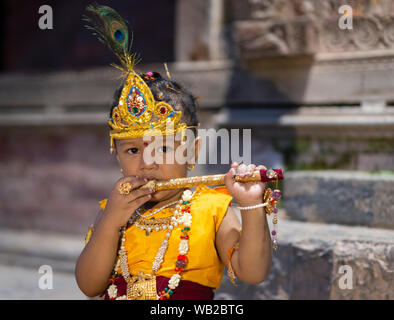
[[366, 34], [263, 37], [388, 34], [310, 26]]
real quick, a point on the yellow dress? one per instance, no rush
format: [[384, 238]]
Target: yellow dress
[[204, 266]]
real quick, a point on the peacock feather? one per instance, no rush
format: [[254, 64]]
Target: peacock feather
[[112, 30]]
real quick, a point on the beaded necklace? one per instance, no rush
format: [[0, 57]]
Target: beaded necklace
[[181, 216], [153, 224], [154, 212]]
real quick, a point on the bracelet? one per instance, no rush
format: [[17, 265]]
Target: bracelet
[[254, 207], [270, 204], [89, 234], [230, 271]]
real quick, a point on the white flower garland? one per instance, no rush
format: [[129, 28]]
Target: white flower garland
[[187, 195], [184, 218], [174, 281], [112, 291], [183, 247], [186, 221]]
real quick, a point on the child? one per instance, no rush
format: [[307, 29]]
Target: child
[[168, 244]]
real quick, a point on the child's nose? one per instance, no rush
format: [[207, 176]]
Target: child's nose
[[149, 162]]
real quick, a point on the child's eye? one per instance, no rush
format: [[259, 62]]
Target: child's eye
[[164, 149], [133, 150]]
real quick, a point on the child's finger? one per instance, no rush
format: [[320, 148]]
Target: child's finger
[[138, 193], [135, 182], [250, 169], [259, 167], [234, 165], [140, 201], [232, 172], [228, 177], [242, 170]]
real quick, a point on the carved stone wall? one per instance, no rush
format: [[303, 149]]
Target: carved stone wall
[[280, 27]]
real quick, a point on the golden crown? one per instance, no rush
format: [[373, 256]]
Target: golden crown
[[137, 113], [134, 117]]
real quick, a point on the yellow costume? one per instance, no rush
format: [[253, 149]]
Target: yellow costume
[[204, 265], [155, 263]]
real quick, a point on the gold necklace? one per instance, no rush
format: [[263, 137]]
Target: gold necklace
[[156, 211], [153, 224], [143, 286]]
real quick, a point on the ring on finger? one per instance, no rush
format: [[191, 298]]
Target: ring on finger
[[125, 188]]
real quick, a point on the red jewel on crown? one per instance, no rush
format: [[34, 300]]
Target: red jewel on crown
[[163, 110]]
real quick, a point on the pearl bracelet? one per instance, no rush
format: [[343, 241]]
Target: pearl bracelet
[[270, 204], [254, 207]]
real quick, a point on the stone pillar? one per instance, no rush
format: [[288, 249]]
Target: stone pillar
[[199, 30], [215, 29]]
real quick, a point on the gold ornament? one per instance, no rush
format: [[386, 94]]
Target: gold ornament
[[125, 188], [153, 224], [89, 234], [142, 287], [138, 114], [266, 198]]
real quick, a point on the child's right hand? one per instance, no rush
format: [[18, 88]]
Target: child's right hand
[[120, 207]]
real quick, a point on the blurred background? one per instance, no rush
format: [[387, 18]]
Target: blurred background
[[318, 98]]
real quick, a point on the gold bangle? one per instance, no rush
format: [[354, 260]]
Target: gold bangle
[[230, 271], [89, 234]]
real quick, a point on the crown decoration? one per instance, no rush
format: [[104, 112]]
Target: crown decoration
[[137, 113]]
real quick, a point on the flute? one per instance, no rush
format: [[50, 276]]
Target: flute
[[263, 175]]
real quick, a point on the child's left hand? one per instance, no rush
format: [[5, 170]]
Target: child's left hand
[[245, 193]]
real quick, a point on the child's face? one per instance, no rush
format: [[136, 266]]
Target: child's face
[[132, 159]]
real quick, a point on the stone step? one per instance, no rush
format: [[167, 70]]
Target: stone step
[[306, 265], [311, 257], [341, 197], [33, 249]]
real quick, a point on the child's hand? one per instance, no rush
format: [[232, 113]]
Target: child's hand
[[120, 207], [245, 193]]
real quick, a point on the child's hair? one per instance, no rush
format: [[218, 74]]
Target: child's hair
[[172, 93]]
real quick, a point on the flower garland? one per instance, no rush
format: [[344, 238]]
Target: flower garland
[[181, 263], [113, 289], [182, 216]]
